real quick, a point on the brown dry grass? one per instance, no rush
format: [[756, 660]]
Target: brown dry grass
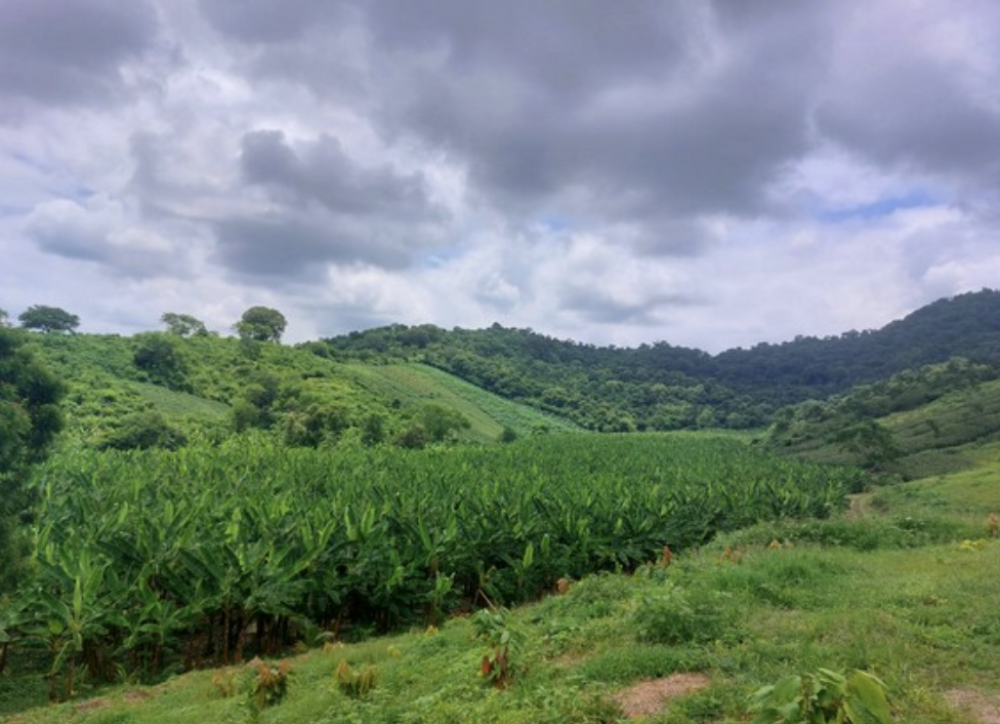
[[982, 707]]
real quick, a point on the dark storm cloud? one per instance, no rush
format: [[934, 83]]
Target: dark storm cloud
[[64, 53], [322, 173], [266, 21], [657, 108], [918, 115], [324, 209], [601, 111], [288, 248]]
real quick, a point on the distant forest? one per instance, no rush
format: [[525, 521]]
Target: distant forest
[[663, 387]]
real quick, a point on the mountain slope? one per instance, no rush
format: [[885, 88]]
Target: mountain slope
[[209, 386], [663, 387]]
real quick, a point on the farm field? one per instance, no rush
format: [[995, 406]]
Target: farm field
[[903, 593], [152, 560]]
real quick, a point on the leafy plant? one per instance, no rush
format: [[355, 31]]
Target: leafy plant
[[823, 697], [675, 615], [269, 684], [355, 684], [493, 625]]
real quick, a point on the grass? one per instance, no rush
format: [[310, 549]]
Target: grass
[[921, 616], [414, 385]]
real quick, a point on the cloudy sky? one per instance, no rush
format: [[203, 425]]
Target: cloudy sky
[[711, 174]]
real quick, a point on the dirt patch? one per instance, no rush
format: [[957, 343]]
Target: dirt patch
[[133, 697], [859, 505], [981, 707], [650, 697]]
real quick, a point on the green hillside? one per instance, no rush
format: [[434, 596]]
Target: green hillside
[[659, 386], [416, 384], [917, 423], [209, 386]]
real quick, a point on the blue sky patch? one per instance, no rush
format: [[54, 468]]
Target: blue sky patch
[[876, 209]]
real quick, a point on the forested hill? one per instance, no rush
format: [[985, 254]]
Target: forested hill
[[660, 386]]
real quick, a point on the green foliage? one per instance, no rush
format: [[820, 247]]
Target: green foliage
[[883, 424], [29, 421], [673, 615], [184, 325], [661, 387], [48, 319], [250, 533], [355, 684], [871, 442], [161, 358], [440, 423], [144, 431], [823, 697], [507, 435], [268, 684], [262, 324], [494, 627]]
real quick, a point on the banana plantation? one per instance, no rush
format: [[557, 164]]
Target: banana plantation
[[147, 560]]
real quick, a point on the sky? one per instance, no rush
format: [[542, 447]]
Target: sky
[[708, 173]]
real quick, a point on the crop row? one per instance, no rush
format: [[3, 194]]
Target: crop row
[[206, 551]]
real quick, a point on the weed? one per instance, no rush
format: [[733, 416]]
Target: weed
[[355, 684], [268, 684], [494, 626], [674, 615], [824, 696]]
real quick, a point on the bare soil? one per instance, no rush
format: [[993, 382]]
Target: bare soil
[[650, 697], [982, 707]]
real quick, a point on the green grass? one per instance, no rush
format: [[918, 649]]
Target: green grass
[[909, 618], [414, 385]]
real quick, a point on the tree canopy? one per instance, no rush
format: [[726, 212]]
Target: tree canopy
[[262, 324], [184, 325], [48, 319], [29, 420]]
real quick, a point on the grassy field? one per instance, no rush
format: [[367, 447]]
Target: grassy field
[[415, 385], [905, 586]]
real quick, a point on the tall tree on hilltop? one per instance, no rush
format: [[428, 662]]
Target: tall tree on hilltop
[[262, 324], [48, 319]]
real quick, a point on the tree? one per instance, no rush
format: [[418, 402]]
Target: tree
[[441, 422], [262, 324], [184, 325], [29, 421], [143, 431], [161, 358], [3, 318], [48, 319]]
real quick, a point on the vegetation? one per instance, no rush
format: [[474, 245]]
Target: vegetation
[[903, 616], [48, 319], [208, 544], [184, 325], [913, 423], [663, 387], [29, 421], [261, 324], [213, 499]]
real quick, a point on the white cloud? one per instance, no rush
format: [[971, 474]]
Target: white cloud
[[708, 175]]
